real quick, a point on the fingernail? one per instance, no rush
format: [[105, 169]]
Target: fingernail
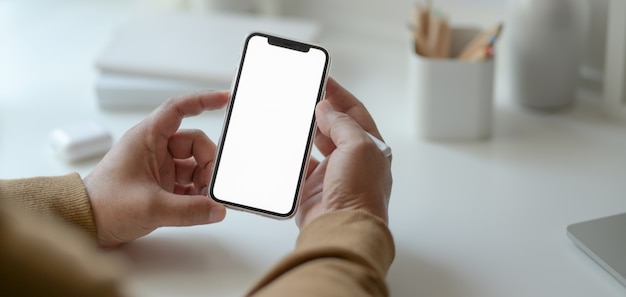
[[326, 108], [217, 214]]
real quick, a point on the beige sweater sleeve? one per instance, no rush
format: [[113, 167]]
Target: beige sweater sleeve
[[43, 255], [345, 253], [62, 197]]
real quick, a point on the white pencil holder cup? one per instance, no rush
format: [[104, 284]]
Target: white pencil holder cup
[[452, 99]]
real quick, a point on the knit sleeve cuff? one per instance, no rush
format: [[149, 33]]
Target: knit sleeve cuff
[[357, 232], [62, 197]]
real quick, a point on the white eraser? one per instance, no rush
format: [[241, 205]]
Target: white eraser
[[383, 147], [80, 141]]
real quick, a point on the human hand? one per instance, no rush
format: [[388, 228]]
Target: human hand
[[156, 175], [355, 174]]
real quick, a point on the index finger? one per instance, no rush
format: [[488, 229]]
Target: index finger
[[343, 101], [167, 118]]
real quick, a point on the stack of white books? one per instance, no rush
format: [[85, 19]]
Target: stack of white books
[[157, 56]]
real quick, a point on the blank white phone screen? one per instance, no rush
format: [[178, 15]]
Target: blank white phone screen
[[266, 138]]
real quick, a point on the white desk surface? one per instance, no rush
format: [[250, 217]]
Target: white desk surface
[[469, 219]]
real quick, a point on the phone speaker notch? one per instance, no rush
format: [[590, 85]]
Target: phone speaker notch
[[290, 44]]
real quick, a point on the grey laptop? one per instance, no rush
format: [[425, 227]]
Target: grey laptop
[[604, 240]]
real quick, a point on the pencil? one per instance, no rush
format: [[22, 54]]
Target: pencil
[[481, 54], [420, 44], [434, 35], [420, 30], [445, 39], [422, 17], [480, 42]]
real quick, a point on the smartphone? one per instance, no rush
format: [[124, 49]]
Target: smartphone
[[269, 126]]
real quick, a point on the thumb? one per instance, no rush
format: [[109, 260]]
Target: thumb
[[188, 210], [324, 115]]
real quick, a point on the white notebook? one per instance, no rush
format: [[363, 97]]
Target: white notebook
[[191, 46], [133, 92]]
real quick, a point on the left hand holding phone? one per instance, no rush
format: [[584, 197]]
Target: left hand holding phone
[[156, 175]]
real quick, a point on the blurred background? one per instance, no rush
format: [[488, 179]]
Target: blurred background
[[479, 218], [53, 51]]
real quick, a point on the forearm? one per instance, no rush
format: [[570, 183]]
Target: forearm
[[61, 197], [345, 253]]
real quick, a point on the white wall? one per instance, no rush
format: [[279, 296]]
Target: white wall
[[390, 18], [495, 4]]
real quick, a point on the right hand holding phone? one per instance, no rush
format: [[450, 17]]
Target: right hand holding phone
[[355, 175]]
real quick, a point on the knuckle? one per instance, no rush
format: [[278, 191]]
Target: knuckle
[[361, 147]]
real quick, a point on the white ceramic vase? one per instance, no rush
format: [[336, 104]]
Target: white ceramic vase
[[547, 43]]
